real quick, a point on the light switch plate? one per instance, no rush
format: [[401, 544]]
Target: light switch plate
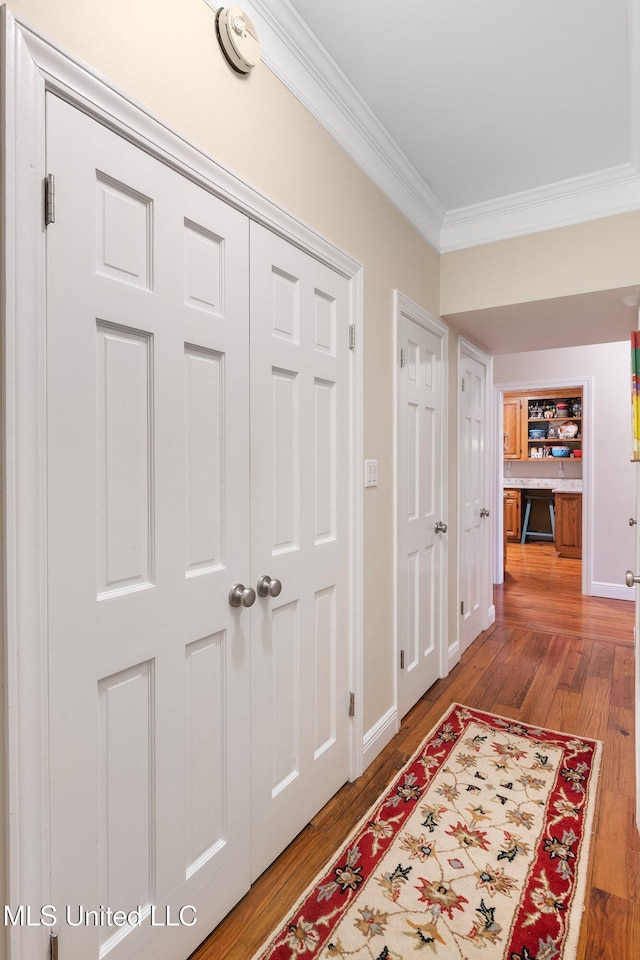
[[371, 473]]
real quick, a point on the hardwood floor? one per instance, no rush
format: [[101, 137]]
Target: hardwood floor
[[553, 658]]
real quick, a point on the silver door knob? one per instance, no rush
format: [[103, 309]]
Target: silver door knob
[[632, 522], [267, 587], [484, 512], [630, 578], [241, 596], [441, 527]]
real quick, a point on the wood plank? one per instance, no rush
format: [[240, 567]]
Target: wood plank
[[542, 691], [615, 848], [575, 671], [624, 662], [602, 659], [584, 713], [610, 928], [522, 661], [617, 764]]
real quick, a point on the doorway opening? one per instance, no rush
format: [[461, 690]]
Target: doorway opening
[[543, 477]]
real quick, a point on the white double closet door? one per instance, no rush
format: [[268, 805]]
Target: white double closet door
[[198, 438]]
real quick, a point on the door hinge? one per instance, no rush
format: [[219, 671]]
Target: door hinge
[[403, 357], [352, 704], [463, 385], [462, 608], [49, 199], [402, 659], [352, 337], [53, 946]]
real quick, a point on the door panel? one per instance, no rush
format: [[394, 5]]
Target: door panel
[[148, 491], [474, 566], [299, 468], [512, 428], [422, 478]]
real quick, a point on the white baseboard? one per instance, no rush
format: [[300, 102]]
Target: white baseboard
[[491, 615], [454, 654], [612, 591], [376, 739]]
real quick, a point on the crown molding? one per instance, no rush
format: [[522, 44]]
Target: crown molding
[[591, 197], [294, 55]]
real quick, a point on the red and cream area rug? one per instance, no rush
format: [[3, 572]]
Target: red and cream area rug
[[479, 848]]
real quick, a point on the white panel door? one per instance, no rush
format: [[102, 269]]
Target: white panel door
[[148, 491], [300, 538], [475, 567], [422, 479]]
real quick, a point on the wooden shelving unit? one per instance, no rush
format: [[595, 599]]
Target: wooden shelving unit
[[558, 414]]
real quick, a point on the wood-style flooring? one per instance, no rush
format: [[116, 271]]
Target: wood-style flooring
[[553, 658]]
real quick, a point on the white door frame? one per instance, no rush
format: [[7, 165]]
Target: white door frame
[[587, 470], [636, 646], [404, 306], [31, 67], [465, 348]]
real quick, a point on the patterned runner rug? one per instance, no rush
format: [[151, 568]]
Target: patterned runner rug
[[479, 848]]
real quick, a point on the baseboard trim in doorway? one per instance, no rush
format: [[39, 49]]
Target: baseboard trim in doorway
[[455, 652], [376, 739], [612, 591]]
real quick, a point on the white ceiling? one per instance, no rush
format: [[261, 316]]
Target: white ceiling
[[481, 120], [488, 98], [600, 317]]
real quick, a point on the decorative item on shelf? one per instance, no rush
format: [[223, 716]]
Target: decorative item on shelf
[[562, 408], [577, 454], [552, 432], [549, 413], [560, 451], [536, 453], [576, 408], [537, 434], [567, 430], [536, 411]]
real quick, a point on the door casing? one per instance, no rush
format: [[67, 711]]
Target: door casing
[[31, 67], [587, 471], [636, 645]]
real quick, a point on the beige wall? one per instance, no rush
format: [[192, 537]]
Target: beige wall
[[165, 57], [598, 255]]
